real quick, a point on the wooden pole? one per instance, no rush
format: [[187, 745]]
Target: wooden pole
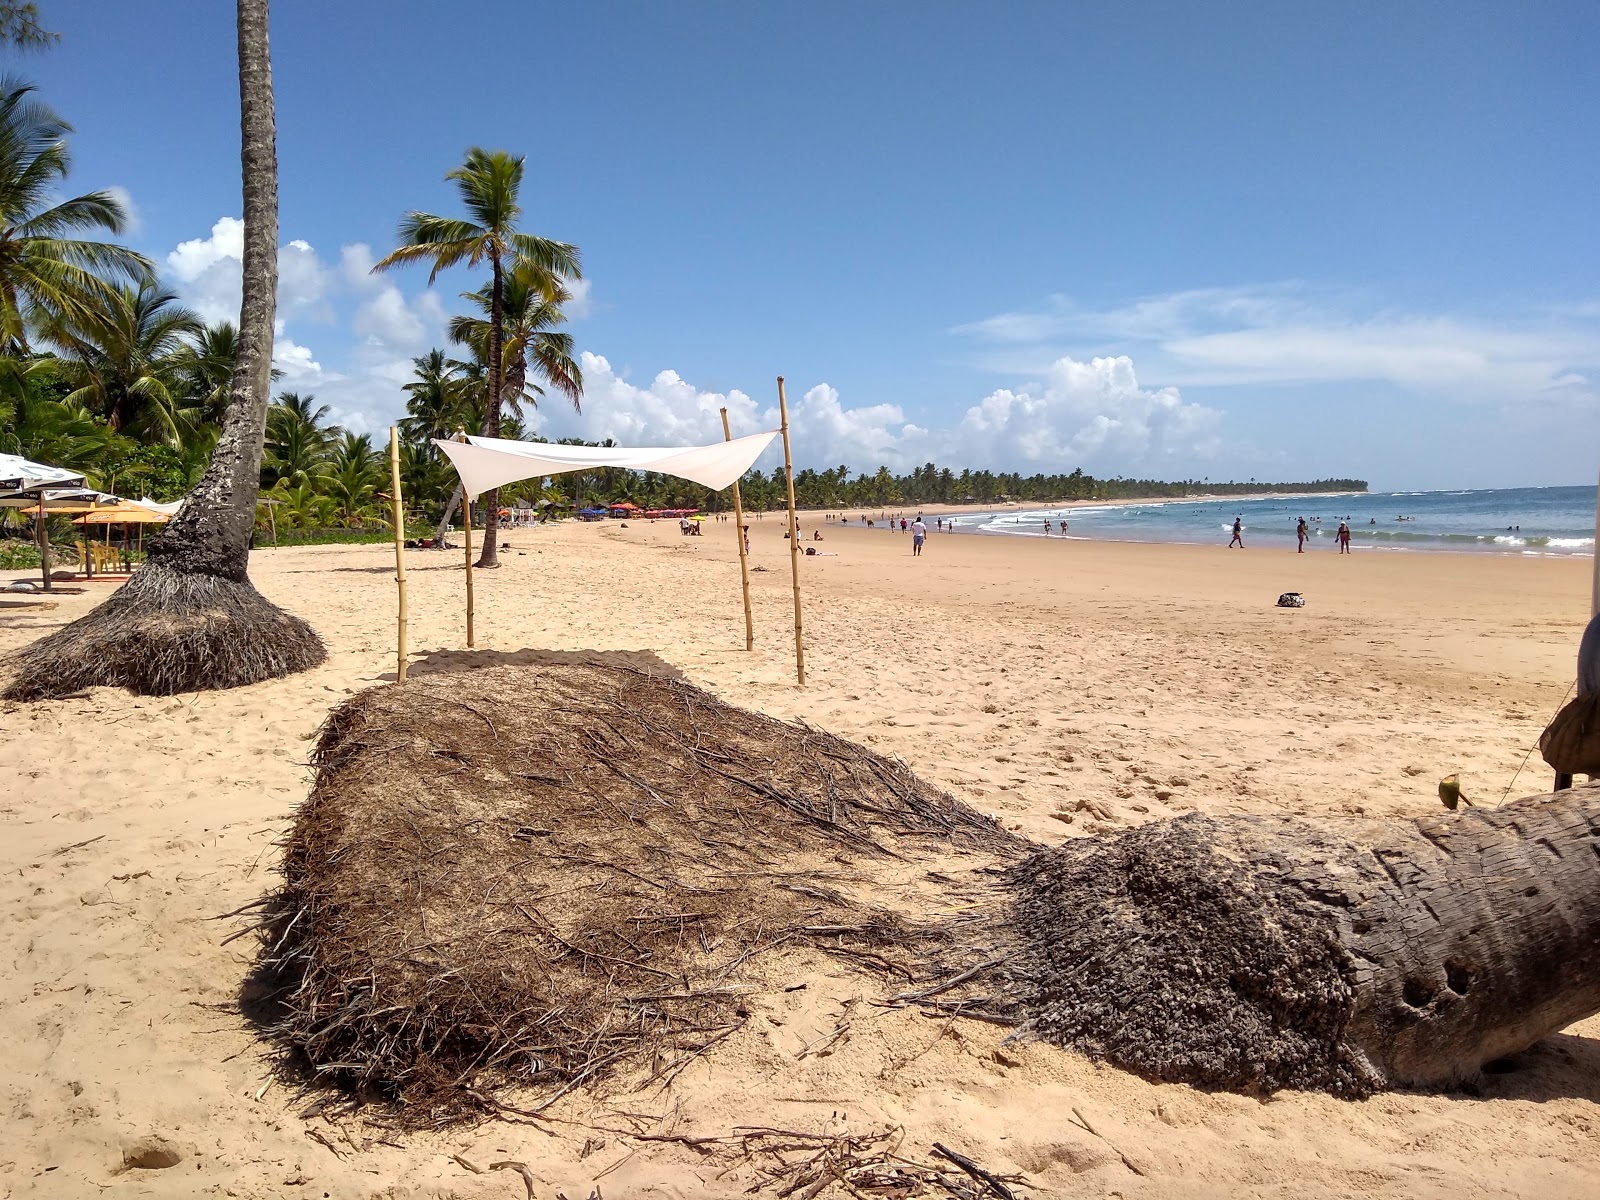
[[44, 544], [794, 537], [399, 545], [744, 561], [466, 512], [466, 509]]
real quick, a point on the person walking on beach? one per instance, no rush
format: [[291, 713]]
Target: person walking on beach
[[1300, 531], [1344, 537], [919, 533], [1238, 534]]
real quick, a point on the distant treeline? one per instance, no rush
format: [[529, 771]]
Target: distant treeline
[[932, 484]]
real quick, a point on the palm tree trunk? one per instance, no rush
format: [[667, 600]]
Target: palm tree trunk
[[449, 513], [190, 619], [1346, 955], [491, 427]]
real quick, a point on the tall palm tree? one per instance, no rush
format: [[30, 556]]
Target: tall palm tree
[[123, 361], [190, 619], [46, 272], [530, 342], [488, 183]]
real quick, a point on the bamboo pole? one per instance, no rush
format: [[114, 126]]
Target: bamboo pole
[[794, 537], [399, 546], [738, 533], [43, 536], [466, 509]]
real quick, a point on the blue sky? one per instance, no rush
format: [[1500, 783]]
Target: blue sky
[[1232, 240]]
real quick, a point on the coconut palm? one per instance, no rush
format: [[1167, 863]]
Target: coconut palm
[[355, 472], [36, 425], [205, 364], [47, 273], [433, 399], [123, 362], [190, 619], [488, 183], [531, 347], [296, 452]]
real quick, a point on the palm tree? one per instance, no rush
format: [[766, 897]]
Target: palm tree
[[433, 400], [488, 183], [296, 452], [45, 273], [36, 425], [124, 362], [530, 344], [355, 471], [205, 364], [190, 619]]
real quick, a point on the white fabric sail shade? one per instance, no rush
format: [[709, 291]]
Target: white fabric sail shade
[[485, 463]]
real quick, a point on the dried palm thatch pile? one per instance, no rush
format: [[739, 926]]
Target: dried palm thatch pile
[[163, 632], [528, 875]]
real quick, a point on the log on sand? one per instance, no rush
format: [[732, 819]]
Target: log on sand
[[1256, 953]]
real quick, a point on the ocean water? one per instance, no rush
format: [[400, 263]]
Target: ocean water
[[1544, 521]]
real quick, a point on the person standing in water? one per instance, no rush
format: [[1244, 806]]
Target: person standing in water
[[1344, 537], [1238, 534], [1301, 532]]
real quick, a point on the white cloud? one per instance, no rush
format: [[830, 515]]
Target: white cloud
[[387, 320], [670, 412], [134, 219], [299, 368], [1091, 414], [1288, 334], [582, 303], [209, 272]]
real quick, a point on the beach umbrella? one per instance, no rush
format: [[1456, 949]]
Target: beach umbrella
[[22, 480], [122, 514]]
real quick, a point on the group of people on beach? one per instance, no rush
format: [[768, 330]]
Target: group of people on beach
[[1302, 531]]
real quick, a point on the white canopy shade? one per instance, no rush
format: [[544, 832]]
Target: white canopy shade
[[18, 474], [170, 508], [485, 463]]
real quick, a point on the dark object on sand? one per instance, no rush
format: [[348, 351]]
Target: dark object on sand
[[1571, 742], [1257, 953], [1291, 600], [528, 875]]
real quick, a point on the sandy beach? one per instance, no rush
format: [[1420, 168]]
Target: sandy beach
[[1112, 683]]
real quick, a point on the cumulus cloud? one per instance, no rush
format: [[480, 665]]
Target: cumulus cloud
[[669, 412], [209, 273], [1290, 334], [1089, 414], [299, 368]]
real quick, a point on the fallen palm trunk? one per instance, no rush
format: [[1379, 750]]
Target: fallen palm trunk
[[1257, 953]]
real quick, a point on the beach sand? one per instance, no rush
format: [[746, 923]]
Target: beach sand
[[1027, 676]]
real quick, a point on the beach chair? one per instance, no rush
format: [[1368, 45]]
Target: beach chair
[[108, 560]]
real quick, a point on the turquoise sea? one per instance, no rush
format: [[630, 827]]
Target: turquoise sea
[[1544, 521]]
